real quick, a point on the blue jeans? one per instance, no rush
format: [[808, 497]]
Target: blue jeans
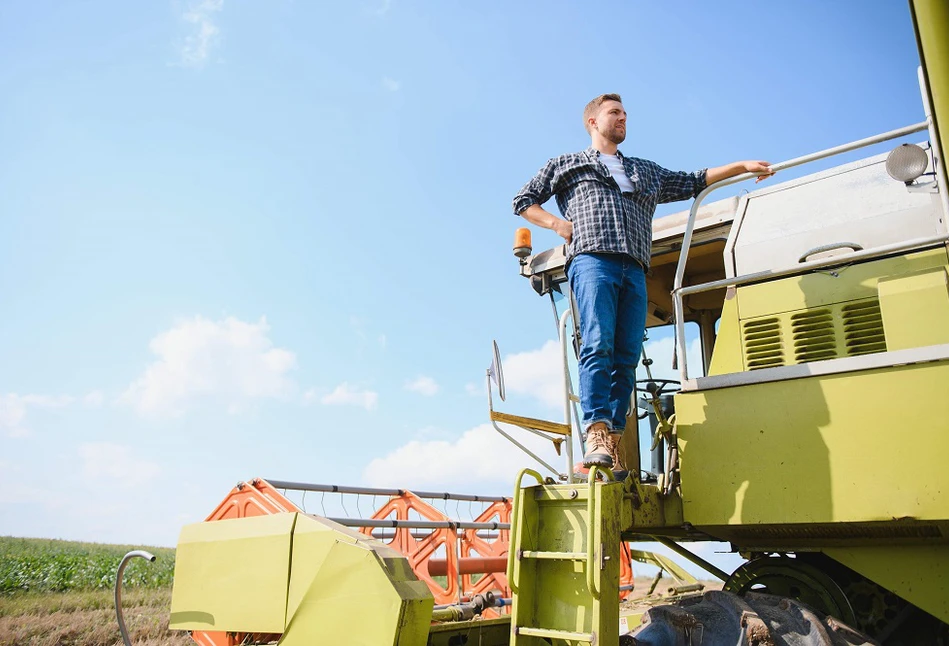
[[610, 292]]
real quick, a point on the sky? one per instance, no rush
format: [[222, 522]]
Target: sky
[[273, 239]]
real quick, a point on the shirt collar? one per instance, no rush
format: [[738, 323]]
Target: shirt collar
[[595, 154]]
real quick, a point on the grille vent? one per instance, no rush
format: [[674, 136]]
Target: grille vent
[[814, 337], [831, 332], [863, 328], [763, 345]]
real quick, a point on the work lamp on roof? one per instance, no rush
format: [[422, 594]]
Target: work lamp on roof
[[906, 163]]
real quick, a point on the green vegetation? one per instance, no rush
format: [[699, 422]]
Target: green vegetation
[[39, 565], [59, 593]]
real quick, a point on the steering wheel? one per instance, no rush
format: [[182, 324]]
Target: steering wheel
[[659, 386], [654, 388]]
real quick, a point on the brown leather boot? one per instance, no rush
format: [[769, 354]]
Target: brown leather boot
[[620, 470], [599, 449]]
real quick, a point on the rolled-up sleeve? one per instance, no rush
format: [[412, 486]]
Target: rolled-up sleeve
[[680, 185], [539, 189]]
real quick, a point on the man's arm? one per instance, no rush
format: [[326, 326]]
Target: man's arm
[[528, 202], [717, 174], [536, 214]]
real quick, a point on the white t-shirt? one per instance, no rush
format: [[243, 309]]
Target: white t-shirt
[[615, 165]]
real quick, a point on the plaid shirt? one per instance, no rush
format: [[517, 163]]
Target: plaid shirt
[[604, 219]]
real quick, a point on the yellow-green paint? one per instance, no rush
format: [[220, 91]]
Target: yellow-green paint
[[553, 594], [304, 577], [727, 357], [931, 18], [232, 575], [355, 592], [897, 568], [836, 285], [856, 447], [915, 309]]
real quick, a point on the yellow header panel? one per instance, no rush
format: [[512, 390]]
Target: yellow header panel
[[233, 575]]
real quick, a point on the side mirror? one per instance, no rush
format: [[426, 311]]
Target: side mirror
[[495, 372]]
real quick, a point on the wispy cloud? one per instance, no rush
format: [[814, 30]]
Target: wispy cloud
[[479, 455], [423, 386], [391, 84], [536, 373], [231, 359], [115, 463], [204, 34], [346, 395], [14, 409]]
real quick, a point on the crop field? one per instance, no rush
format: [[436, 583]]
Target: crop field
[[59, 593]]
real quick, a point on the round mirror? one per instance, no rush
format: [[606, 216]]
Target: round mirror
[[497, 375]]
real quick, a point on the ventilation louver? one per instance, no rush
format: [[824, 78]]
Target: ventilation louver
[[763, 346], [830, 332]]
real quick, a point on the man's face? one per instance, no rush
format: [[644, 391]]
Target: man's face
[[611, 121]]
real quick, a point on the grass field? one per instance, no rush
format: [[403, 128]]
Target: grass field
[[59, 593]]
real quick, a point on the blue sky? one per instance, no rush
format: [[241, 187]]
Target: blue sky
[[273, 239]]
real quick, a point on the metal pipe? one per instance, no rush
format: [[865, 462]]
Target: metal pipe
[[469, 565], [512, 440], [677, 295], [896, 247], [935, 145], [370, 491], [388, 535], [693, 557], [119, 615], [499, 602], [567, 405], [417, 524]]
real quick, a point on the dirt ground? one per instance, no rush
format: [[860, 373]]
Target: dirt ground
[[87, 619]]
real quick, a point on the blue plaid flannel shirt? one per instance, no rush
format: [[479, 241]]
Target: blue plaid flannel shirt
[[604, 219]]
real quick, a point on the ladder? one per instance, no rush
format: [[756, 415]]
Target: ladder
[[563, 563]]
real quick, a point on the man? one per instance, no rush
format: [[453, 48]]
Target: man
[[608, 201]]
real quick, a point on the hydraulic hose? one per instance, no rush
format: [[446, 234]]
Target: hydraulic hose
[[118, 590]]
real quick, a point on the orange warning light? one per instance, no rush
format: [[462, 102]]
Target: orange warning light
[[522, 243]]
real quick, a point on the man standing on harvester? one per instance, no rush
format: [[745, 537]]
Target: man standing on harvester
[[608, 201]]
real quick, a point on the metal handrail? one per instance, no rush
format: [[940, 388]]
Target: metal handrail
[[591, 526], [678, 292], [515, 521], [567, 392]]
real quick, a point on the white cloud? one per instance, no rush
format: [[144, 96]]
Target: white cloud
[[474, 389], [93, 399], [391, 84], [423, 385], [536, 373], [14, 407], [382, 341], [481, 456], [346, 395], [204, 33], [105, 461], [229, 359]]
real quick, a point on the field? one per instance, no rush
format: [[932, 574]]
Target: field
[[59, 593]]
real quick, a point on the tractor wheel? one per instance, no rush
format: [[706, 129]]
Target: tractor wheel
[[720, 618]]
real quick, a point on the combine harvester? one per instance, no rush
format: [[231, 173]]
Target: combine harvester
[[814, 442]]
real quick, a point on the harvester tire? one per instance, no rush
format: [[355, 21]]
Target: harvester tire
[[720, 618]]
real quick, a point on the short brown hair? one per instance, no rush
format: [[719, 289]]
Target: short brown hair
[[596, 103]]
